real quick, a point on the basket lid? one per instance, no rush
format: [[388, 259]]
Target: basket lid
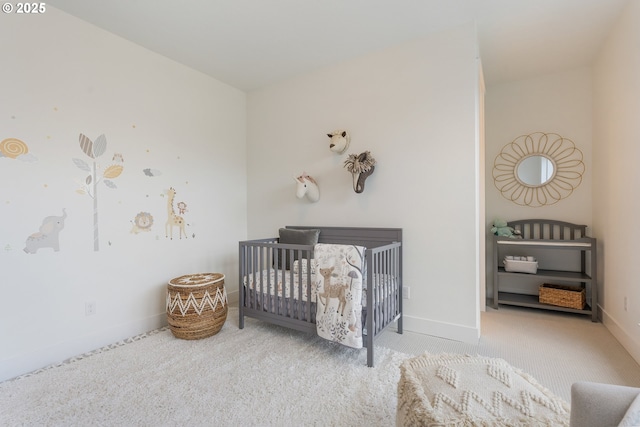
[[198, 279]]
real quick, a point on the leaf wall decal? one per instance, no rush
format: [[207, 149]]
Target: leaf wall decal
[[86, 145], [110, 184], [100, 146], [113, 171], [82, 164], [88, 179]]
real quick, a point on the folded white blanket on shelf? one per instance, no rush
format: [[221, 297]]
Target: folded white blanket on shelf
[[338, 282]]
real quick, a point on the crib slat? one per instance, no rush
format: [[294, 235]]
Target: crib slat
[[293, 291], [387, 289], [380, 294], [308, 311], [264, 281], [273, 292], [377, 320], [392, 294], [279, 277], [300, 283], [255, 277], [370, 308]]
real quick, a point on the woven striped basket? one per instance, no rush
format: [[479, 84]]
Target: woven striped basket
[[196, 305]]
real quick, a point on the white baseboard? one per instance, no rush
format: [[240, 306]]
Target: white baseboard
[[42, 357], [629, 342], [441, 329], [233, 297]]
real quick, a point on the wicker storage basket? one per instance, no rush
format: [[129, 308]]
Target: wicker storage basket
[[563, 296], [196, 305]]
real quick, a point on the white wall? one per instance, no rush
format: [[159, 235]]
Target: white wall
[[558, 103], [62, 77], [617, 176], [414, 108]]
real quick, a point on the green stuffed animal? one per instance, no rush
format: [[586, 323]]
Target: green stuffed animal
[[501, 228]]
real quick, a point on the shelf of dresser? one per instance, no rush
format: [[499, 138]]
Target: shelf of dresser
[[573, 276], [531, 301]]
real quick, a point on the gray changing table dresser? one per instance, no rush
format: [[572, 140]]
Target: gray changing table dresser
[[551, 239]]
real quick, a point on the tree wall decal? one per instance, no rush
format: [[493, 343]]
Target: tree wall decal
[[95, 149]]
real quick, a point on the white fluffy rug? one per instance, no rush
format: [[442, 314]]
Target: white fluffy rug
[[262, 375]]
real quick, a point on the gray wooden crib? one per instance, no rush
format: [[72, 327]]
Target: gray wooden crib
[[383, 280]]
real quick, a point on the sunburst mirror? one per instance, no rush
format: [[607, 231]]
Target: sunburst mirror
[[538, 169]]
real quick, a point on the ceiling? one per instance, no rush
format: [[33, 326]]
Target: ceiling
[[250, 44]]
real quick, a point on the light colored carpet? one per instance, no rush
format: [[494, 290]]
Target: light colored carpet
[[265, 375], [556, 348], [262, 375]]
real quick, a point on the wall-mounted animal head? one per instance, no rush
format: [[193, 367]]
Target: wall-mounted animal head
[[361, 167], [340, 140], [307, 186]]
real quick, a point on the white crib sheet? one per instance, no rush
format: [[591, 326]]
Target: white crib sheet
[[270, 278]]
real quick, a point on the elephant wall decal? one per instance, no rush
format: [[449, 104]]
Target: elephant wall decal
[[48, 236]]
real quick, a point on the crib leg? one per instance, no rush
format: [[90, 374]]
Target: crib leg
[[400, 324], [370, 347]]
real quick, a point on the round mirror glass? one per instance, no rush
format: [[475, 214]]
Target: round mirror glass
[[535, 170]]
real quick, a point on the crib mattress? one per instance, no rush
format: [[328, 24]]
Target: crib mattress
[[274, 282]]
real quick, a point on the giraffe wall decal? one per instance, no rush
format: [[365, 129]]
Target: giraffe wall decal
[[173, 220]]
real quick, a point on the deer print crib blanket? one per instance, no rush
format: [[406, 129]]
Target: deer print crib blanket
[[338, 281]]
